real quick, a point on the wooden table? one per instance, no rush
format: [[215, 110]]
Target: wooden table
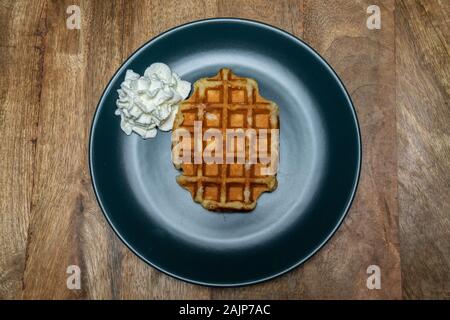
[[52, 78]]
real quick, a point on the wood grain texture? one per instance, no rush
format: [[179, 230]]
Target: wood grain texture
[[67, 226], [364, 59], [20, 94], [423, 97], [52, 78]]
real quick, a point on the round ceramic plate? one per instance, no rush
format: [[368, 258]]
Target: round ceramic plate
[[320, 157]]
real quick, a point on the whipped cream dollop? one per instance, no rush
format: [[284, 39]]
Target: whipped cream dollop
[[150, 101]]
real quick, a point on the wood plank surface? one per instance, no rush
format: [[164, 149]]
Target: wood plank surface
[[20, 95], [423, 111], [52, 78], [364, 59]]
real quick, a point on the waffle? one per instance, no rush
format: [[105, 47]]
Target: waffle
[[223, 102]]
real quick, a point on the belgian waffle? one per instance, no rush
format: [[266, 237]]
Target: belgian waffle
[[223, 102]]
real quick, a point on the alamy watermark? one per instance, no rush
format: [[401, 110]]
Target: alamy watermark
[[74, 20], [73, 281], [374, 20], [374, 279], [242, 146]]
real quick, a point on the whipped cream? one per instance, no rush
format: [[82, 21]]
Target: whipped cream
[[150, 101]]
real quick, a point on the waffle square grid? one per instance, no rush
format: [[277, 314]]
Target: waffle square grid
[[223, 102]]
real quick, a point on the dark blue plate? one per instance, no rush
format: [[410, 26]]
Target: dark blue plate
[[320, 158]]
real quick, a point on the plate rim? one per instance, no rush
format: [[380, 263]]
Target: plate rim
[[355, 182]]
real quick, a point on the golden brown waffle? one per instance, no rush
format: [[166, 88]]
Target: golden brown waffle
[[226, 101]]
